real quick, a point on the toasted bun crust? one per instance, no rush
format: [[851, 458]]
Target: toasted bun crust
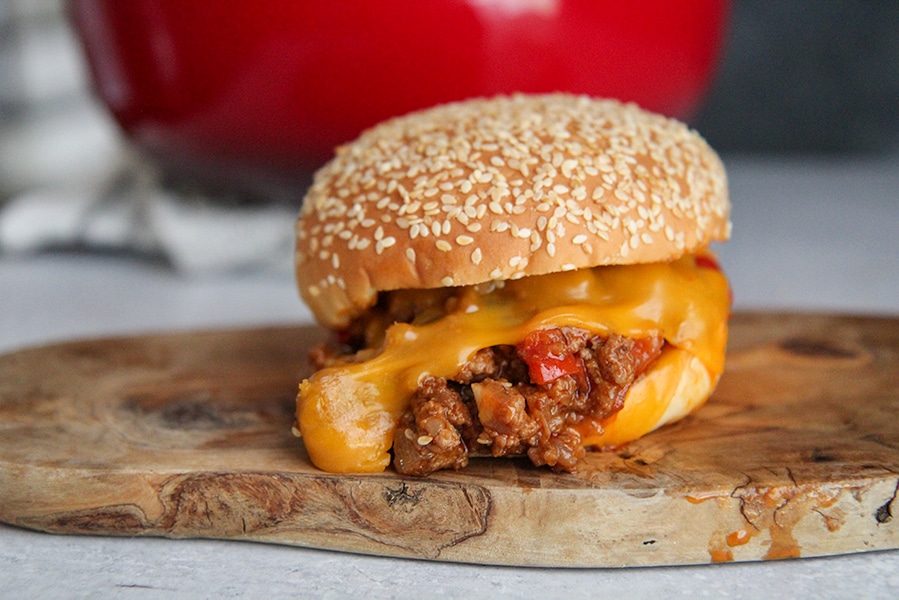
[[501, 188]]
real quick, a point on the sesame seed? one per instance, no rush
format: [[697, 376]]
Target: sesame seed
[[476, 256], [387, 242], [557, 159], [444, 245], [447, 281], [464, 240]]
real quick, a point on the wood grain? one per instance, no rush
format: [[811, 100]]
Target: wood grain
[[188, 435]]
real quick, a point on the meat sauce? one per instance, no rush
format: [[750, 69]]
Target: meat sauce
[[530, 399]]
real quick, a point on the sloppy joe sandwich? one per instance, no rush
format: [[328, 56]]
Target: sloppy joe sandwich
[[514, 276]]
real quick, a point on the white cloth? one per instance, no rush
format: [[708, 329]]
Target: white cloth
[[198, 233]]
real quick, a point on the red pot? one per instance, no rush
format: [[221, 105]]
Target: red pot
[[262, 90]]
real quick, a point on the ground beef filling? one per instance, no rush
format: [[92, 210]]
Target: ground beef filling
[[527, 399]]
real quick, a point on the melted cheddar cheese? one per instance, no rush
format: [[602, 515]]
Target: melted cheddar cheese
[[347, 413]]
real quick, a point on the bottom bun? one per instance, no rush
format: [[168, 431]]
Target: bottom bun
[[676, 385]]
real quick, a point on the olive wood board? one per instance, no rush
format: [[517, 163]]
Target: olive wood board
[[188, 435]]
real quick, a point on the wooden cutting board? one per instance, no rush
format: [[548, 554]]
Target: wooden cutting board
[[188, 435]]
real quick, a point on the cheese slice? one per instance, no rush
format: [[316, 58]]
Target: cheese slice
[[347, 413]]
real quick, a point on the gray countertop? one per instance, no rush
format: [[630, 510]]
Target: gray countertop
[[809, 235]]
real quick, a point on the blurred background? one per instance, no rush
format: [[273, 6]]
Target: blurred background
[[806, 80], [807, 76], [796, 76]]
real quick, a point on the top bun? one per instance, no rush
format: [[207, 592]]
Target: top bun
[[501, 188]]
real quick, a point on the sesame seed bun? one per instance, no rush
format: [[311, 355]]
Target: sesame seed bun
[[502, 188]]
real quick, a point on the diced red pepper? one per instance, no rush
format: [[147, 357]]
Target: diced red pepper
[[645, 350], [544, 351], [707, 261]]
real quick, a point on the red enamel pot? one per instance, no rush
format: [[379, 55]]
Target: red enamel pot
[[261, 91]]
